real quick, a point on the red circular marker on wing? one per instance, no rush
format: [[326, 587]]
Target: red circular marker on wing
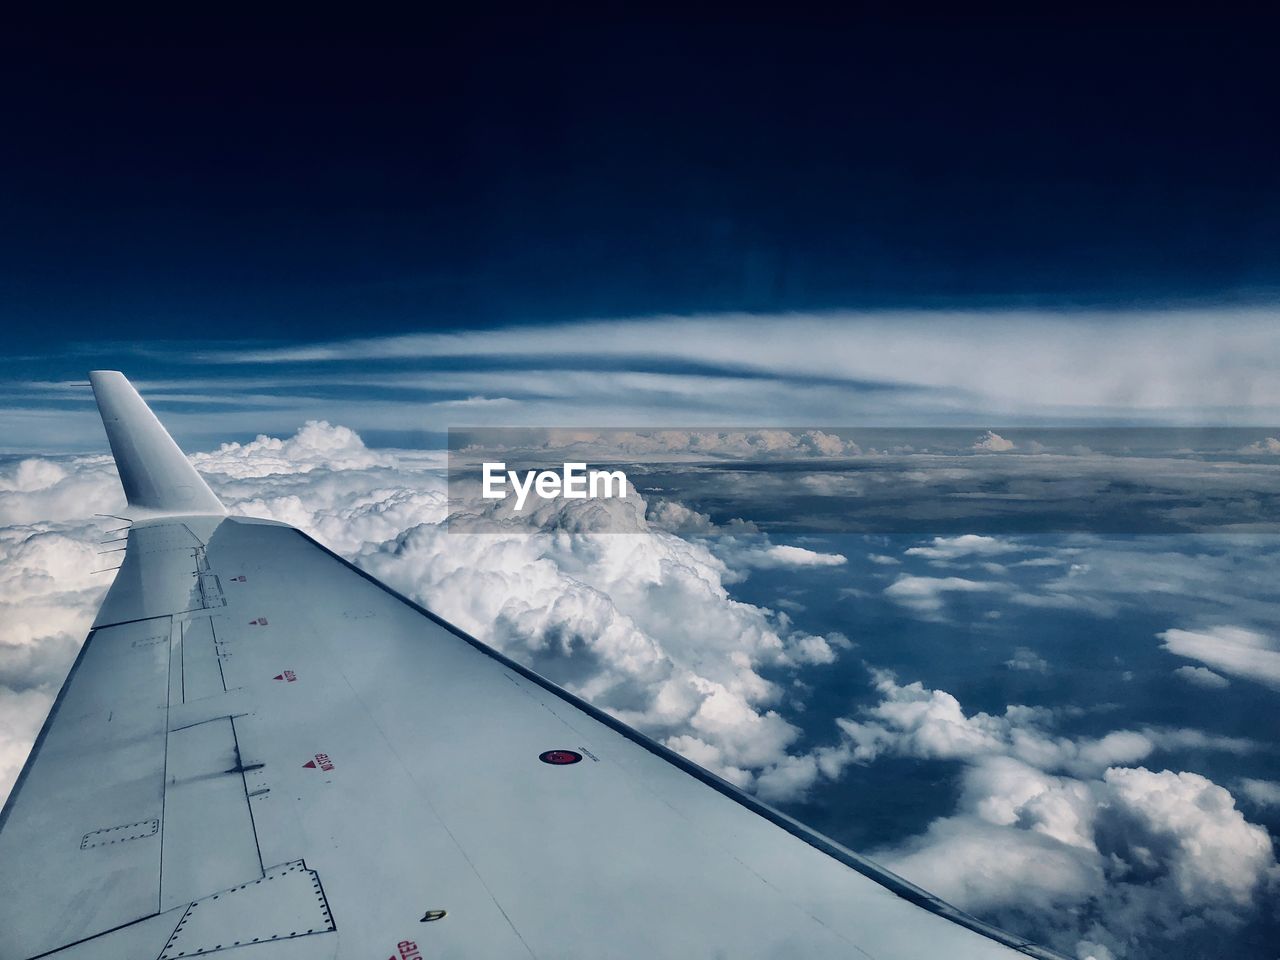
[[560, 758]]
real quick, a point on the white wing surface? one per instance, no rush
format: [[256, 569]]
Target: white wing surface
[[264, 753]]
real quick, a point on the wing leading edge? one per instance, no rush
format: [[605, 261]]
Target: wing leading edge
[[263, 751]]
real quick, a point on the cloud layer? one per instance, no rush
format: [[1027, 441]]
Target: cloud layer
[[1089, 842], [640, 623], [995, 360], [1174, 366], [1069, 838], [1232, 650]]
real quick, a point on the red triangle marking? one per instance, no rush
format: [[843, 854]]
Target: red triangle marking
[[278, 676], [311, 764]]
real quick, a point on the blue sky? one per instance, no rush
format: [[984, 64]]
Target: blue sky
[[195, 185], [872, 220]]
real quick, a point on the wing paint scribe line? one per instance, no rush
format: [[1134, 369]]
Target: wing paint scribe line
[[236, 917]]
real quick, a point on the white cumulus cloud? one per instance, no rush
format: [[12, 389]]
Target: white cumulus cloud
[[928, 595], [1202, 677], [1233, 650], [1263, 793], [991, 442], [1269, 446], [964, 546], [1068, 837], [641, 623]]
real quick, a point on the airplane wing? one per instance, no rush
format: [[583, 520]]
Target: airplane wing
[[263, 752]]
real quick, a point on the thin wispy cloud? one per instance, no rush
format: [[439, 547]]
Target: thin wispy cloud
[[1170, 362], [980, 368]]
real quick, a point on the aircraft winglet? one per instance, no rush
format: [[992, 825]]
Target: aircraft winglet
[[156, 475]]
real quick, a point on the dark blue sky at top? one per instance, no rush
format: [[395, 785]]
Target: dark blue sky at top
[[248, 181]]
